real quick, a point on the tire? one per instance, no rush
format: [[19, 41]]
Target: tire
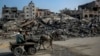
[[18, 51], [31, 50], [12, 49]]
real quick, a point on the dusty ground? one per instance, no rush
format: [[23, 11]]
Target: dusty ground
[[86, 46], [4, 49], [72, 47]]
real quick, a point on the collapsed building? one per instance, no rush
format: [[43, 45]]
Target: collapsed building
[[85, 11], [9, 13], [90, 10]]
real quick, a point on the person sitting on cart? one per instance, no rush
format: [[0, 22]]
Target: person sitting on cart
[[19, 37]]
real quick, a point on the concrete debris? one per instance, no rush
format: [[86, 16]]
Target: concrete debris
[[65, 25]]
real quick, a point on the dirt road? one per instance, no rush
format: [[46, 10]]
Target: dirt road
[[72, 47], [56, 51], [86, 46], [5, 51]]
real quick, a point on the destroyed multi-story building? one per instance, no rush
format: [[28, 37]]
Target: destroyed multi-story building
[[74, 13], [43, 12], [85, 11], [90, 10], [30, 11], [9, 13], [21, 15]]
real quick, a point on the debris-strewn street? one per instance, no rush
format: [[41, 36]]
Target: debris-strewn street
[[82, 46], [5, 51], [74, 47]]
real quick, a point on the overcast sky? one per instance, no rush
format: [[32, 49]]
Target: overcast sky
[[53, 5]]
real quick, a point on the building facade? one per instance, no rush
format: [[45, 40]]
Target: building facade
[[90, 10], [9, 13], [86, 11], [21, 15], [30, 11], [43, 13]]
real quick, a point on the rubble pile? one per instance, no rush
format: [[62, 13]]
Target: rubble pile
[[76, 27], [82, 27], [69, 26]]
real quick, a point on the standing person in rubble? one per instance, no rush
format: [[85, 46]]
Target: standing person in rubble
[[19, 37]]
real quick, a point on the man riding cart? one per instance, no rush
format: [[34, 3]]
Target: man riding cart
[[22, 46]]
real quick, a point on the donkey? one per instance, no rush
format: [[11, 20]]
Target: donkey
[[47, 39]]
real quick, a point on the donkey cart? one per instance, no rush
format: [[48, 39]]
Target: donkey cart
[[20, 49]]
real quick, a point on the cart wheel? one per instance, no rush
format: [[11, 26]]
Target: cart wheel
[[12, 49], [18, 51], [31, 50]]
